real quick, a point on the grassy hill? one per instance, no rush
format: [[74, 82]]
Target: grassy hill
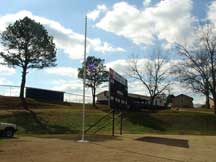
[[54, 118]]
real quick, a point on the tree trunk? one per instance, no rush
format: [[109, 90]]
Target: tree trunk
[[214, 105], [207, 101], [23, 82], [151, 101], [93, 95], [214, 100]]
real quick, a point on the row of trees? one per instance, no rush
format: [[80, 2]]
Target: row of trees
[[28, 45], [197, 68]]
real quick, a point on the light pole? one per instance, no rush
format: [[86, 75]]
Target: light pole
[[84, 81]]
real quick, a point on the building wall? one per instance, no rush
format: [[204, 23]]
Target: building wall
[[43, 94], [102, 97], [158, 102], [182, 101], [133, 99], [211, 102]]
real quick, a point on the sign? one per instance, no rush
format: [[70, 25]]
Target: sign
[[118, 89]]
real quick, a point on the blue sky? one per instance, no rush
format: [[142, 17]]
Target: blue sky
[[116, 29]]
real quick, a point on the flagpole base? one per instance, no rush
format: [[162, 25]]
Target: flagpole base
[[82, 141]]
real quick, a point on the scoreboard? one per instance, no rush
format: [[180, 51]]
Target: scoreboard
[[118, 91]]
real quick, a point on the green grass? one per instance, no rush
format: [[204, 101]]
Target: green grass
[[2, 141], [67, 118], [172, 123]]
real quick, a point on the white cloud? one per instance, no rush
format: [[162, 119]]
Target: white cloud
[[93, 15], [5, 70], [212, 12], [104, 47], [4, 81], [66, 39], [74, 86], [146, 3], [63, 71], [120, 66], [168, 20]]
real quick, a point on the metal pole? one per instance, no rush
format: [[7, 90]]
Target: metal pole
[[84, 81], [121, 119], [113, 122], [109, 92], [113, 111]]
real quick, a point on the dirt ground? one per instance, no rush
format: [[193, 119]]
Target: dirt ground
[[128, 148]]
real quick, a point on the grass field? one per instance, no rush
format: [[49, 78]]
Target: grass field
[[1, 141], [47, 118], [48, 132]]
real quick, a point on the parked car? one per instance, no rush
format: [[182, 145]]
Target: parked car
[[7, 129]]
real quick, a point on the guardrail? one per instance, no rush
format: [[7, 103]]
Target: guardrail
[[11, 90]]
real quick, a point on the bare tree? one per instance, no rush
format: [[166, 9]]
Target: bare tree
[[200, 60], [193, 79], [152, 73]]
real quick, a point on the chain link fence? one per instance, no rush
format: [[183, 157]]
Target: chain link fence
[[13, 91]]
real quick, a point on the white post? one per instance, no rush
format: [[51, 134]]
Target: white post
[[84, 81]]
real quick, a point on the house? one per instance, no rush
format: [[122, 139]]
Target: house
[[134, 100], [169, 99], [211, 103], [137, 100], [102, 97], [182, 101]]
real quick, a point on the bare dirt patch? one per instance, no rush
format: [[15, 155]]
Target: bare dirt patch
[[129, 148]]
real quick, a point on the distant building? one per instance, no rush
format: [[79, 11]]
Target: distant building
[[102, 97], [211, 103], [44, 94], [182, 101], [169, 99], [134, 100], [137, 101]]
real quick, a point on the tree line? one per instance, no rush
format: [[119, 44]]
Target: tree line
[[197, 67], [28, 45]]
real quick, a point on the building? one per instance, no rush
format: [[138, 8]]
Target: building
[[211, 103], [44, 94], [102, 97], [182, 101], [134, 100], [141, 101]]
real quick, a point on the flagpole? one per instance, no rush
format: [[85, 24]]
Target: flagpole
[[84, 82]]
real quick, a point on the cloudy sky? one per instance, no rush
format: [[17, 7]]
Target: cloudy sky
[[116, 30]]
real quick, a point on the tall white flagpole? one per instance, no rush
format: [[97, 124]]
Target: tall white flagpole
[[84, 81]]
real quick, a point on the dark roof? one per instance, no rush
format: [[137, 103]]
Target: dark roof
[[44, 89], [181, 95], [101, 93]]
